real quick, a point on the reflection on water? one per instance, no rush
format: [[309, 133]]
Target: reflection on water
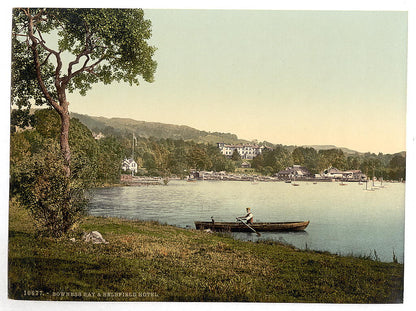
[[345, 220]]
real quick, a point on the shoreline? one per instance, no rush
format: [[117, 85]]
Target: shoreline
[[371, 255], [186, 265], [128, 180]]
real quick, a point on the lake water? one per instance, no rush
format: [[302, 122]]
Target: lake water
[[343, 219]]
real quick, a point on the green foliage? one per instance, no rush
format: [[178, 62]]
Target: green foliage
[[219, 161], [371, 166], [47, 123], [84, 147], [353, 162], [307, 157], [36, 180], [276, 160], [24, 85], [20, 119], [167, 157], [258, 162], [55, 201], [382, 165], [397, 167], [331, 158], [109, 158], [236, 156], [175, 157], [104, 45], [109, 44], [198, 159], [178, 164]]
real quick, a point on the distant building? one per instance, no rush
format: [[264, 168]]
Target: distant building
[[335, 173], [98, 136], [129, 165], [246, 151], [295, 171], [245, 164]]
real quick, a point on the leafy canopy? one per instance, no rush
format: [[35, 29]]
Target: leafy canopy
[[103, 45]]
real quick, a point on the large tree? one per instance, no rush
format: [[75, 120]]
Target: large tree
[[307, 157], [278, 159], [56, 51]]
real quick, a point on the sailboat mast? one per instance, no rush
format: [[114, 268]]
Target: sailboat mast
[[132, 151]]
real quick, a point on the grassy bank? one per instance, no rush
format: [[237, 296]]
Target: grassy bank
[[153, 262]]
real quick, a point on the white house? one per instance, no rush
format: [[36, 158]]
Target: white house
[[246, 151], [333, 172], [129, 165], [98, 136], [337, 174]]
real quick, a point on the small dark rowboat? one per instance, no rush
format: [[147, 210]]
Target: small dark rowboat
[[258, 226]]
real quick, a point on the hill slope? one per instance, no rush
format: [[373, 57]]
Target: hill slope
[[153, 129], [327, 147], [162, 130]]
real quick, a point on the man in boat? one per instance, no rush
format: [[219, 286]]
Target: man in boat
[[248, 218]]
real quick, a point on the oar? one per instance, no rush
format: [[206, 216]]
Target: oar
[[258, 234]]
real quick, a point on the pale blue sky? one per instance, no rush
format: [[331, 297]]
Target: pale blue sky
[[289, 77]]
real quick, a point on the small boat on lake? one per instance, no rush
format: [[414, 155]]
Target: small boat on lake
[[257, 226]]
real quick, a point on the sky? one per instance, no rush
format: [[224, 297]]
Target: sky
[[288, 77]]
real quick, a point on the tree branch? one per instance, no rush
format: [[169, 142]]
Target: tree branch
[[76, 61], [87, 50], [57, 79], [57, 57], [19, 35], [89, 68], [46, 59], [33, 46]]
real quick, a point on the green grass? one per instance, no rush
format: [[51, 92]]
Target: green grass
[[153, 262]]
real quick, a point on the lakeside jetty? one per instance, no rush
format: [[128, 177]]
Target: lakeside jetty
[[130, 180]]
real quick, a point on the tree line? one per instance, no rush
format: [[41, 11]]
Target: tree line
[[167, 157], [98, 162], [37, 177], [387, 166]]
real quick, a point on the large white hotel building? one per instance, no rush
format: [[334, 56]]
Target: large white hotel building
[[246, 151]]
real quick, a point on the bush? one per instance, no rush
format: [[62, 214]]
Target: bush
[[39, 182]]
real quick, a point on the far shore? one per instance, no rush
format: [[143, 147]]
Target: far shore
[[131, 180]]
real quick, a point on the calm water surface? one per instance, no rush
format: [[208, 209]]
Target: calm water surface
[[344, 219]]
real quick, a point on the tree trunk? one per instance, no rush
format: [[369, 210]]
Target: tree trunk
[[66, 152], [64, 141]]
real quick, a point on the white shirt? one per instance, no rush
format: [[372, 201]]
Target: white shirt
[[248, 216]]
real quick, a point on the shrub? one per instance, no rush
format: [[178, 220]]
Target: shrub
[[55, 201]]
